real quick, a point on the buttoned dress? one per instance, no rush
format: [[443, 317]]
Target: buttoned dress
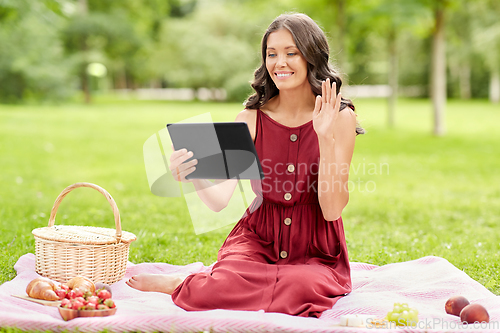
[[282, 255]]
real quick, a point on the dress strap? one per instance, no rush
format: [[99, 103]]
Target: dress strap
[[258, 124]]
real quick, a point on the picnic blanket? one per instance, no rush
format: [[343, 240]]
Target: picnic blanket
[[425, 284]]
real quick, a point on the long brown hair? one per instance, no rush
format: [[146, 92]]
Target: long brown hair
[[312, 43]]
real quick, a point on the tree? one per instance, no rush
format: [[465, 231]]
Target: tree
[[341, 32], [390, 18], [207, 50], [116, 34], [32, 63], [459, 48], [120, 34], [486, 37], [438, 72]]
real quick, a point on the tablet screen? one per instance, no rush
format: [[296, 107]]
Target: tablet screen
[[223, 150]]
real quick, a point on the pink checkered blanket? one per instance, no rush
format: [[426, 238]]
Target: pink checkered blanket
[[425, 284]]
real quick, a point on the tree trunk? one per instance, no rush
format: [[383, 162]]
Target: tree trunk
[[464, 80], [495, 86], [84, 77], [83, 7], [393, 77], [438, 73], [155, 83], [341, 56], [121, 80]]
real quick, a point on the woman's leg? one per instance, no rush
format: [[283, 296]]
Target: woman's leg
[[235, 284], [163, 283], [306, 290]]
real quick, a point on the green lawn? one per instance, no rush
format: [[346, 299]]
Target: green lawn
[[412, 195]]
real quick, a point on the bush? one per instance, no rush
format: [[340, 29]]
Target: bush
[[32, 63], [238, 88]]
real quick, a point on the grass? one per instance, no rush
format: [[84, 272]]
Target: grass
[[413, 194]]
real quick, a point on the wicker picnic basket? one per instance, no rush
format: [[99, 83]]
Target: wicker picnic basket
[[65, 251]]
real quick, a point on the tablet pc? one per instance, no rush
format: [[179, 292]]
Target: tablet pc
[[223, 150]]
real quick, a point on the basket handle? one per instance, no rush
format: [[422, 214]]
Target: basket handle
[[108, 196]]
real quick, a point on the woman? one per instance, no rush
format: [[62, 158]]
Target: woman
[[287, 254]]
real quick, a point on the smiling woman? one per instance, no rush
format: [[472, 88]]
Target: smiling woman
[[303, 42], [285, 62], [288, 252]]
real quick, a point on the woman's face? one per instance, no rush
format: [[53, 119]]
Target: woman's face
[[284, 62]]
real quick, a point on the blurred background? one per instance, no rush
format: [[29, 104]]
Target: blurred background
[[58, 50]]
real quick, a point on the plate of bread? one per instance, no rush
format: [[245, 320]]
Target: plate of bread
[[79, 297]]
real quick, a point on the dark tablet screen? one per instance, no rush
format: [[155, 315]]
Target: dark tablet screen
[[223, 150]]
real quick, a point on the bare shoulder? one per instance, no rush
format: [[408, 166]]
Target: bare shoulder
[[347, 115], [248, 116], [345, 125]]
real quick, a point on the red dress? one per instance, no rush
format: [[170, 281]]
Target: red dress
[[282, 256]]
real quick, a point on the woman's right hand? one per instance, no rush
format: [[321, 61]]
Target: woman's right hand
[[178, 165]]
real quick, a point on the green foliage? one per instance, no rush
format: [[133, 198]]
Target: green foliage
[[47, 44], [372, 24], [473, 45], [238, 87], [32, 62], [218, 45], [205, 50], [181, 8], [102, 37]]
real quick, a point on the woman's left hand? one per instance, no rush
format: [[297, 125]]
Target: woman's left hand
[[326, 110]]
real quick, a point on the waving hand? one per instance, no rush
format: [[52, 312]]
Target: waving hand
[[326, 110]]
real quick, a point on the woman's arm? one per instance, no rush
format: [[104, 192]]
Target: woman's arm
[[336, 135], [216, 194], [335, 161]]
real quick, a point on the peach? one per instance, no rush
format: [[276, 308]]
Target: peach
[[474, 313], [455, 304]]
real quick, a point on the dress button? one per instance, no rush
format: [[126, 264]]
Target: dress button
[[291, 168], [288, 196], [288, 221], [293, 137], [283, 254]]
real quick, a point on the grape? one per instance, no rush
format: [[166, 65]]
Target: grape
[[392, 316], [403, 315]]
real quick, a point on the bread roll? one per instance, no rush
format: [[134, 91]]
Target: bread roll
[[42, 288], [82, 283]]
